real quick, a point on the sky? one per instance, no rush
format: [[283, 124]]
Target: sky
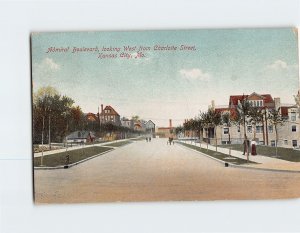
[[167, 84]]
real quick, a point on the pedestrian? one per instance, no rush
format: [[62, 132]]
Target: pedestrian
[[253, 147], [146, 139]]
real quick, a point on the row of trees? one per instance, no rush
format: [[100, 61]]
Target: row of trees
[[241, 116], [55, 116]]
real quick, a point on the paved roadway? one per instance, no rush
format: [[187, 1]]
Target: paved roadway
[[156, 171]]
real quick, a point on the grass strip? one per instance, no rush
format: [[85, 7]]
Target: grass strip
[[270, 151], [218, 155], [58, 159], [118, 144]]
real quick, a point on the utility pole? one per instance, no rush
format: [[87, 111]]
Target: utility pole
[[43, 141], [266, 119], [49, 134]]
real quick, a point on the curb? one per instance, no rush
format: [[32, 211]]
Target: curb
[[218, 160], [72, 164], [228, 164]]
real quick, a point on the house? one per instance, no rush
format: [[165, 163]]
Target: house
[[91, 117], [82, 136], [150, 127], [125, 122], [262, 132], [139, 125], [109, 115]]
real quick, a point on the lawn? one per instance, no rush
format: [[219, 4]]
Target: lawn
[[217, 155], [282, 153], [118, 144], [138, 139], [77, 155]]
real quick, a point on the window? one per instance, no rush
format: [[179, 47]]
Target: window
[[272, 142], [249, 128], [270, 128], [226, 130], [294, 128], [293, 116], [285, 142], [259, 129], [294, 143]]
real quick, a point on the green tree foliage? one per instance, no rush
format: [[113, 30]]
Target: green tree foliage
[[52, 108]]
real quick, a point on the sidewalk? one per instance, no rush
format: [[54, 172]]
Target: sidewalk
[[264, 162], [76, 148]]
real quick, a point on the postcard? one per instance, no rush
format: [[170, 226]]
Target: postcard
[[165, 115]]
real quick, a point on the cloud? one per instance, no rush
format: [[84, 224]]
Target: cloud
[[47, 65], [45, 71], [278, 65], [194, 74], [51, 64]]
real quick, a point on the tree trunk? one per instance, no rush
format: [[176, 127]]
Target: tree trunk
[[229, 141], [267, 136], [43, 141], [276, 138], [254, 131], [263, 128], [216, 140], [246, 141], [49, 135]]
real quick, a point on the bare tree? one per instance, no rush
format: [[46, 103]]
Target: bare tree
[[227, 121], [276, 120], [244, 108]]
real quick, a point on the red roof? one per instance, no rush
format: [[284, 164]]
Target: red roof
[[111, 112], [284, 111], [234, 99], [91, 116]]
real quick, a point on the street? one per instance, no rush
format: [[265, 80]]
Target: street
[[155, 171]]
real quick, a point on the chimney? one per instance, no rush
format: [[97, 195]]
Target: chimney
[[101, 108], [170, 123], [213, 104], [277, 102]]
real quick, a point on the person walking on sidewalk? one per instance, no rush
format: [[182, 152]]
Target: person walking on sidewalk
[[253, 147]]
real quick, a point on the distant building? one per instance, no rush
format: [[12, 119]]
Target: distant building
[[82, 136], [166, 132], [125, 122], [91, 117], [150, 127], [109, 115], [139, 125]]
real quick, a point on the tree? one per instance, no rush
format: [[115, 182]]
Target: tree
[[276, 120], [205, 119], [297, 100], [244, 108], [179, 130], [255, 117], [199, 127], [227, 121], [215, 120], [135, 118], [48, 103]]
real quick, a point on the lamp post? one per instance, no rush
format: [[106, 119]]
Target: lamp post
[[43, 141]]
